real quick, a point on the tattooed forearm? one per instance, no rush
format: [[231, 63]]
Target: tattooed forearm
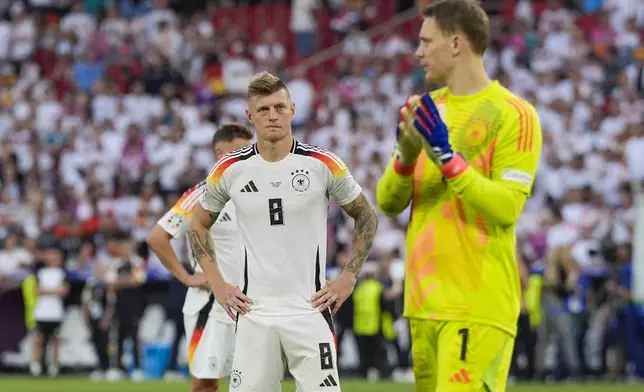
[[366, 224], [198, 250], [212, 218], [200, 242], [202, 245], [210, 247]]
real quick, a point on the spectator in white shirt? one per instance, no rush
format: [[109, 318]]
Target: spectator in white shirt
[[394, 44], [303, 25], [237, 71], [634, 153], [23, 34], [555, 13], [50, 308], [270, 53], [169, 41], [14, 260], [302, 92], [356, 43], [152, 19], [5, 31], [115, 27], [78, 21]]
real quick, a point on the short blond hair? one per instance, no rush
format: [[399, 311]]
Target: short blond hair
[[466, 16], [265, 83]]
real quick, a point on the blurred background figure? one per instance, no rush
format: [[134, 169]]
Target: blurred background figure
[[124, 276], [630, 316], [368, 317], [15, 261], [174, 308], [97, 303], [49, 311]]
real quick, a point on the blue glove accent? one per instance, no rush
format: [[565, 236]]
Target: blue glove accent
[[433, 129]]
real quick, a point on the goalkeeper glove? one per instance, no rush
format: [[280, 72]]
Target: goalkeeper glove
[[436, 138]]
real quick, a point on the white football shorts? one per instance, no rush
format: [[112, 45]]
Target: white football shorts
[[265, 344], [211, 344]]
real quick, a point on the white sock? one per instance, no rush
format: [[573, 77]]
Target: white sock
[[35, 369]]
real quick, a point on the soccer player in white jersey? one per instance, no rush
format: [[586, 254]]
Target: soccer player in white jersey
[[210, 332], [281, 189]]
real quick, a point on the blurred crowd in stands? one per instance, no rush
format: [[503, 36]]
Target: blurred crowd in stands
[[107, 109]]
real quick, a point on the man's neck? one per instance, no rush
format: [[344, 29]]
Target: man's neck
[[275, 151], [469, 78]]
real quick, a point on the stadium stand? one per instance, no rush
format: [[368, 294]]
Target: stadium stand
[[107, 109]]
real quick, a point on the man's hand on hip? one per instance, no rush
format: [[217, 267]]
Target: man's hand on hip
[[231, 298]]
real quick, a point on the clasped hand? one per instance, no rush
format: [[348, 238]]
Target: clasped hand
[[421, 126]]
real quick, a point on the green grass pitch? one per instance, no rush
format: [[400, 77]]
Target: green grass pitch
[[65, 384]]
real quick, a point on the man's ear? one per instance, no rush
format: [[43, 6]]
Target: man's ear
[[249, 116], [457, 44]]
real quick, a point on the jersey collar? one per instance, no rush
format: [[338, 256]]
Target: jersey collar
[[293, 147]]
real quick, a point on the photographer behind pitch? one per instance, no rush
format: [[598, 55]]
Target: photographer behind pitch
[[124, 276]]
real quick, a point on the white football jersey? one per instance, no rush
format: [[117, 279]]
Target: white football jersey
[[282, 220], [225, 238], [50, 307]]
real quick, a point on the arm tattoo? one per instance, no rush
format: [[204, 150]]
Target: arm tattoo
[[195, 244], [210, 247], [205, 248], [212, 216], [366, 224]]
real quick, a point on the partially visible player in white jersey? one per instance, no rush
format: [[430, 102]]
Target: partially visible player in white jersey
[[209, 331], [281, 190]]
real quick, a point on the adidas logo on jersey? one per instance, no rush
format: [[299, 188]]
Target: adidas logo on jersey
[[329, 382], [250, 188], [225, 217], [460, 377]]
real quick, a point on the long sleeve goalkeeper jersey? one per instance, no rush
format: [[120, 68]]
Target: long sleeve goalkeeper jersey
[[460, 250]]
